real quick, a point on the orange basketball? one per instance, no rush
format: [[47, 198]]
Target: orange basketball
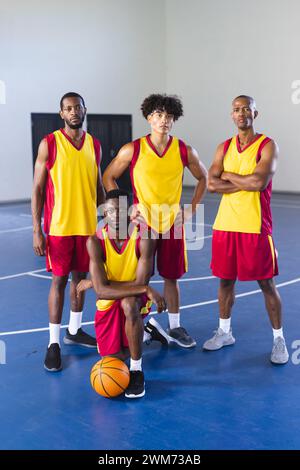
[[110, 377]]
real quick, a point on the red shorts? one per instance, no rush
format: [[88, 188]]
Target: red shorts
[[246, 256], [66, 254], [110, 327], [171, 254]]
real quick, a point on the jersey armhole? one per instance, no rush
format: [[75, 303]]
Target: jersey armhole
[[226, 146], [52, 150], [262, 144], [97, 148], [183, 152], [100, 237]]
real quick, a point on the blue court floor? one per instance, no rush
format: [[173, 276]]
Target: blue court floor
[[233, 398]]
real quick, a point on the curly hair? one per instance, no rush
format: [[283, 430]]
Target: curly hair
[[157, 102]]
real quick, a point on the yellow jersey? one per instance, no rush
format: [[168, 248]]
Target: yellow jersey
[[120, 263], [71, 188], [157, 181], [245, 211]]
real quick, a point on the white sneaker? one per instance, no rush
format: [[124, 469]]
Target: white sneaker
[[219, 340], [279, 354]]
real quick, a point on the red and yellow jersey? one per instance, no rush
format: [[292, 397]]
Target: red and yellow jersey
[[71, 190], [245, 211], [157, 181], [120, 263]]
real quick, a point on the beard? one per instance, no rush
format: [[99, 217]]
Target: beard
[[75, 126]]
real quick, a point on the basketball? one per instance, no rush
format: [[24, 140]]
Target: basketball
[[110, 377]]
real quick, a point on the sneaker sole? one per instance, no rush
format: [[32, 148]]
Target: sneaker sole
[[136, 396], [186, 346], [70, 341], [217, 349], [52, 370], [279, 363]]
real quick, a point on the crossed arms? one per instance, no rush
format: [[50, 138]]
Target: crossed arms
[[227, 183]]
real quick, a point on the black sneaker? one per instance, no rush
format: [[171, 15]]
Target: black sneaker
[[81, 338], [53, 360], [136, 387], [181, 337], [156, 332]]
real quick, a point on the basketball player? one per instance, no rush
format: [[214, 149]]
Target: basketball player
[[157, 164], [67, 182], [120, 271], [242, 244]]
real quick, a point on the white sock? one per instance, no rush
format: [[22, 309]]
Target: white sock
[[135, 365], [174, 320], [225, 324], [75, 322], [54, 329], [146, 337], [277, 333]]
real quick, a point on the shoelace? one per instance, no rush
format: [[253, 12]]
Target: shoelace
[[217, 333], [279, 345], [181, 330]]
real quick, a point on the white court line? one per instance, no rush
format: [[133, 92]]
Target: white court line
[[30, 227], [286, 206], [192, 240], [199, 304], [16, 229], [33, 274], [39, 275], [42, 276], [27, 273]]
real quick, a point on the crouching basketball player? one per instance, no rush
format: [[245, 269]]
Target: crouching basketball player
[[120, 270]]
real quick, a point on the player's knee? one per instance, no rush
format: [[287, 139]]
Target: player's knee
[[129, 307], [77, 277], [59, 282], [227, 284], [267, 286]]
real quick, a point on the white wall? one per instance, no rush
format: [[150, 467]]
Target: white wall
[[217, 50], [110, 51], [115, 52]]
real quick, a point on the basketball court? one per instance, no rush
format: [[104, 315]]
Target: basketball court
[[228, 399]]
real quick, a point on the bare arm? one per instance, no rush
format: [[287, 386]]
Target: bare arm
[[117, 167], [199, 171], [38, 197], [103, 288], [118, 290], [144, 268], [215, 183], [263, 173], [146, 260], [100, 189]]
